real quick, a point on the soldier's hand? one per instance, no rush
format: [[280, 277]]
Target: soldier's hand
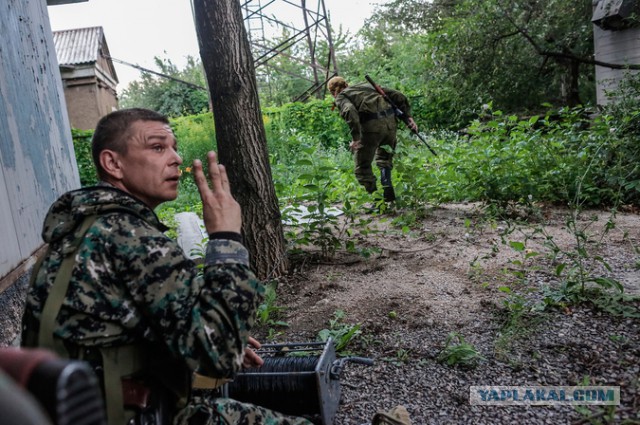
[[220, 211], [412, 124], [251, 358], [355, 145]]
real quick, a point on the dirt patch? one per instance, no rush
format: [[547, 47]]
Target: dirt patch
[[441, 269], [444, 275]]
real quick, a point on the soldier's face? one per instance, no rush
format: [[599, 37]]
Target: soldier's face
[[150, 168]]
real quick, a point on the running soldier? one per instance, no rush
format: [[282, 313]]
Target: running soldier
[[373, 127]]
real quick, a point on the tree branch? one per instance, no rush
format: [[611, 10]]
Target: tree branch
[[587, 61], [563, 55]]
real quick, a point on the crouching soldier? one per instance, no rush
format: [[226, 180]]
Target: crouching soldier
[[114, 290]]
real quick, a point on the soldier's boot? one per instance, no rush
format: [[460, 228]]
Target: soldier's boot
[[370, 187], [372, 207], [388, 193]]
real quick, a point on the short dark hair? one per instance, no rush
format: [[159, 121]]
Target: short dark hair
[[113, 131]]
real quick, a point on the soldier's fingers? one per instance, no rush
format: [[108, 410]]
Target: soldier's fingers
[[254, 342], [224, 179], [214, 172], [198, 175]]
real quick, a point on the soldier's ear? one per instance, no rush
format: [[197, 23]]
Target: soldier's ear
[[110, 163]]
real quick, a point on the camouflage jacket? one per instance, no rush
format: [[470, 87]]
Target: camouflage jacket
[[131, 284], [360, 100]]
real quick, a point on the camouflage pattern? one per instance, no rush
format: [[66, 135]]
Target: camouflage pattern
[[223, 411], [378, 136], [134, 285]]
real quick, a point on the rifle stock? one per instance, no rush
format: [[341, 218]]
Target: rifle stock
[[404, 117]]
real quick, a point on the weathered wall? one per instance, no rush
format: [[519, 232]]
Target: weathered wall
[[88, 98], [37, 161], [619, 47], [82, 103], [107, 99]]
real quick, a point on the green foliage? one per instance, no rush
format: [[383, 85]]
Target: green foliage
[[196, 136], [548, 158], [82, 148], [454, 56], [459, 352], [168, 95], [624, 107], [167, 214], [401, 357], [309, 179], [341, 333], [269, 312], [314, 118], [580, 271]]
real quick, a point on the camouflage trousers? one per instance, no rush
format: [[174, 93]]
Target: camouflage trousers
[[378, 146], [225, 411]]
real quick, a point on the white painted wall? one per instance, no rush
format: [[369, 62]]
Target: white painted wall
[[617, 47], [37, 161]]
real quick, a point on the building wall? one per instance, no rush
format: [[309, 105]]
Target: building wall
[[107, 99], [617, 47], [37, 162], [88, 98], [82, 103]]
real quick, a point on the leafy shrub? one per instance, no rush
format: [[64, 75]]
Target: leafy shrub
[[459, 352], [196, 136], [315, 119], [268, 311], [82, 148], [551, 158], [341, 333]]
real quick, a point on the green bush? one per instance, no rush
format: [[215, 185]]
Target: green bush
[[499, 159], [82, 148], [551, 158], [196, 136], [316, 119]]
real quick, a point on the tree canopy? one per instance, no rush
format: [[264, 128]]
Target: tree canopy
[[179, 92], [450, 56]]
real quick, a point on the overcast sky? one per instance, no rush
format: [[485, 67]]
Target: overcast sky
[[138, 30]]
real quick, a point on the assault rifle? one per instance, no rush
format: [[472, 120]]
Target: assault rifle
[[404, 117]]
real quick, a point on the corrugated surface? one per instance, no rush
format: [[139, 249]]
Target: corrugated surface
[[77, 46]]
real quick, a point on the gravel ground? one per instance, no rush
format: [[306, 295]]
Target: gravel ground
[[443, 278]]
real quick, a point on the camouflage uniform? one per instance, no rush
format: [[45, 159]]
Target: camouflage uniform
[[372, 121], [131, 284]]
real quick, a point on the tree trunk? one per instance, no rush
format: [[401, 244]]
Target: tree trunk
[[570, 82], [574, 84], [240, 133]]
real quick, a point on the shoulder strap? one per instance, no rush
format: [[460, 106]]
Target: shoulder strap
[[58, 291], [61, 283], [116, 361]]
